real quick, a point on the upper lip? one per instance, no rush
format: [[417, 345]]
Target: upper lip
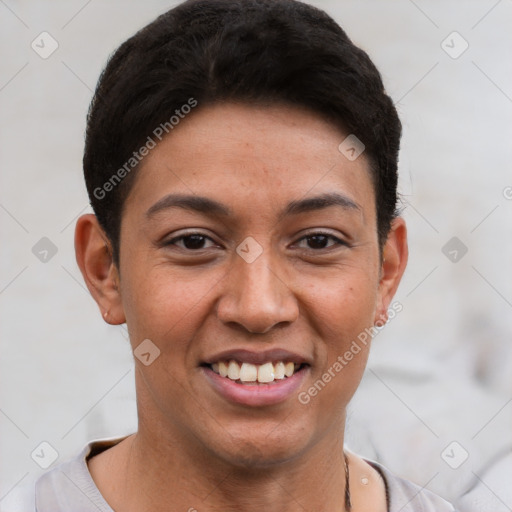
[[248, 356]]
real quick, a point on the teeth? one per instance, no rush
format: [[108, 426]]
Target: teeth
[[247, 372], [233, 370], [223, 369], [279, 370], [266, 373]]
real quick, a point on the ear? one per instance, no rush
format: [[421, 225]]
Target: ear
[[94, 257], [394, 261]]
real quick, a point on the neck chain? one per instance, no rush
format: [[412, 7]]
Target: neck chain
[[348, 503]]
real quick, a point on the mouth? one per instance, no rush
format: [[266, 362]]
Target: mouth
[[254, 374], [256, 379]]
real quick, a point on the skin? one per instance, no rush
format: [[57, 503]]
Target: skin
[[194, 448]]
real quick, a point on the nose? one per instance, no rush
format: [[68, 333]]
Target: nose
[[256, 296]]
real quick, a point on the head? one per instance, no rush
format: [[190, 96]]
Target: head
[[232, 215]]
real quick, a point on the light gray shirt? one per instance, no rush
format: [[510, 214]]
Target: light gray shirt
[[70, 487]]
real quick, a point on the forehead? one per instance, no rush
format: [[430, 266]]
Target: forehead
[[253, 158]]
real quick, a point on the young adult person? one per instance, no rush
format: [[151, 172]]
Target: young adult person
[[241, 161]]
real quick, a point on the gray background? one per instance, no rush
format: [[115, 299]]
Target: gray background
[[439, 372]]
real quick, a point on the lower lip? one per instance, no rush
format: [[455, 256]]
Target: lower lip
[[258, 394]]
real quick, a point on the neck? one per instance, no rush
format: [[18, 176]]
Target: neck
[[192, 478]]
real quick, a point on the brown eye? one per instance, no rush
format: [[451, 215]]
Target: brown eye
[[192, 242], [319, 241]]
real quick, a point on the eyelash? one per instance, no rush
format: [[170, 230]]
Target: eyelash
[[338, 241]]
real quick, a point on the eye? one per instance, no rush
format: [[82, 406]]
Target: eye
[[319, 241], [190, 241]]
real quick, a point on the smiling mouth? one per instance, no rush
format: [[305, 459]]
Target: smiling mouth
[[254, 374]]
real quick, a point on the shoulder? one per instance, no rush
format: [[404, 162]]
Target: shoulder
[[70, 486], [406, 496]]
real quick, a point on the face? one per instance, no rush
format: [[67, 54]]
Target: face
[[248, 237]]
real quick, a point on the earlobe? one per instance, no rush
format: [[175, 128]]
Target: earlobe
[[94, 257], [395, 255]]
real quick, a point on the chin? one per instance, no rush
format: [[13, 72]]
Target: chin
[[262, 446]]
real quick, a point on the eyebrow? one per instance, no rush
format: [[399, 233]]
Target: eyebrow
[[207, 206], [319, 202]]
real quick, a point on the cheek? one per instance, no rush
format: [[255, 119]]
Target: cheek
[[343, 303], [164, 306], [342, 312]]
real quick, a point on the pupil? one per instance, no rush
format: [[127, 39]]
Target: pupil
[[193, 241], [318, 241]]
